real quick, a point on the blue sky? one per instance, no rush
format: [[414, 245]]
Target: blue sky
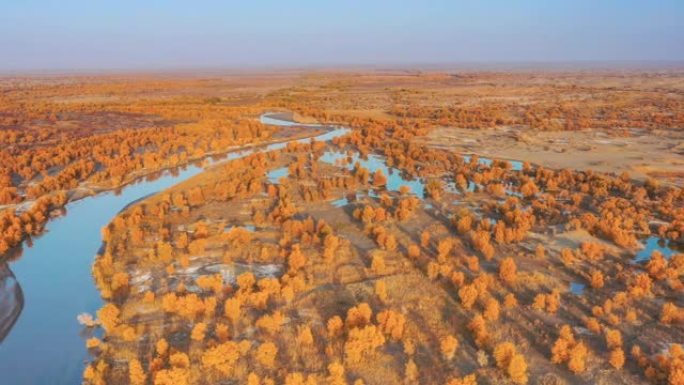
[[152, 34]]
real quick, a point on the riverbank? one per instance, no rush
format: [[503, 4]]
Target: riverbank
[[292, 131]]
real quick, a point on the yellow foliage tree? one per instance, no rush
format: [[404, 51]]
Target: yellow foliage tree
[[391, 323], [361, 342], [266, 354], [508, 270], [448, 346], [136, 374]]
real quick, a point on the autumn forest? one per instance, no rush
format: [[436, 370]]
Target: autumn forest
[[362, 227]]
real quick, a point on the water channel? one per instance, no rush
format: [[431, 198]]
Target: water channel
[[43, 291]]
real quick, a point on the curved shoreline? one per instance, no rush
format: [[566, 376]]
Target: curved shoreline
[[85, 190], [56, 279]]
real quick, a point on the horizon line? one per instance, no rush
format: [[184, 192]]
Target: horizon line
[[463, 66]]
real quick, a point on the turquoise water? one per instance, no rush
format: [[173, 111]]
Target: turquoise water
[[345, 200], [577, 288], [47, 344], [274, 175], [656, 244], [395, 179], [277, 119], [340, 202], [250, 228]]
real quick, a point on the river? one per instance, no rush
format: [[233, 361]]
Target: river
[[43, 291]]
